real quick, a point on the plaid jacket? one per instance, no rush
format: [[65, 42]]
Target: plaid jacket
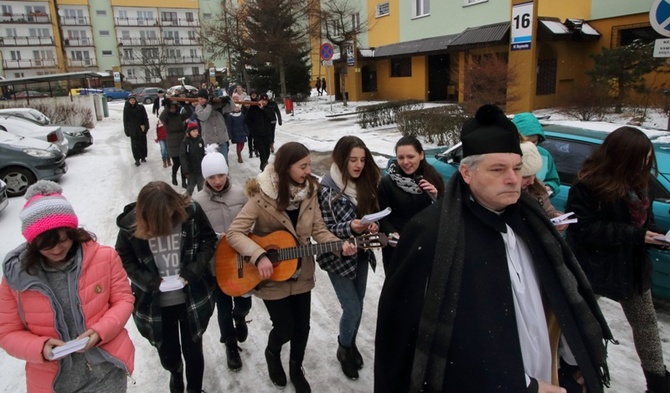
[[197, 248], [338, 211]]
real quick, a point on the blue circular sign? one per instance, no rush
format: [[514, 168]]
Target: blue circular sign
[[659, 17], [326, 51]]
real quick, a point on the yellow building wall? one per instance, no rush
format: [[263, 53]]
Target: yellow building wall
[[403, 88], [73, 2], [154, 4], [579, 9], [386, 29]]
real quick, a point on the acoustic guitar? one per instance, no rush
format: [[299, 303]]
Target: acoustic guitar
[[236, 276]]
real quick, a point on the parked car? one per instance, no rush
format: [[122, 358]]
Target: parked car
[[23, 161], [192, 90], [29, 129], [86, 91], [114, 93], [78, 137], [570, 143], [146, 95], [4, 199]]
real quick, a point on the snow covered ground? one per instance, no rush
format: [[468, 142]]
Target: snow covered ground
[[103, 179]]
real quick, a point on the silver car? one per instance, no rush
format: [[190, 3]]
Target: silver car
[[22, 127], [78, 137]]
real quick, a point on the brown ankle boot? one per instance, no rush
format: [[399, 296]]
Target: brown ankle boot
[[169, 162], [239, 157], [164, 163]]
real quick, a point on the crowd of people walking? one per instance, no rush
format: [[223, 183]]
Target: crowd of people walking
[[482, 292]]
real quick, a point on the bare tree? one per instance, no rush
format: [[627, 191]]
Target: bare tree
[[338, 21]]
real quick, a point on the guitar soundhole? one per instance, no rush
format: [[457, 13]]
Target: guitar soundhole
[[273, 254]]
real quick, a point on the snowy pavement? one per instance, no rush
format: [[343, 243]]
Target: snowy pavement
[[103, 179]]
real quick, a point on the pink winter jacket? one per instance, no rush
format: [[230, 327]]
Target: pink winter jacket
[[106, 301]]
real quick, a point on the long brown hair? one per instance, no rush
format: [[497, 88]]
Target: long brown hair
[[287, 155], [429, 173], [49, 239], [366, 183], [620, 164], [159, 208]]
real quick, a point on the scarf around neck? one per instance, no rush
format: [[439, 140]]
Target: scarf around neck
[[269, 181], [405, 182], [350, 191]]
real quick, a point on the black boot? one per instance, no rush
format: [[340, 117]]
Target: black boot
[[183, 181], [298, 377], [177, 380], [358, 358], [346, 358], [275, 369], [137, 162], [241, 329], [174, 180], [233, 354], [657, 383]]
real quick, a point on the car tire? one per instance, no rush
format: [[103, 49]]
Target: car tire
[[18, 180], [148, 101], [109, 99]]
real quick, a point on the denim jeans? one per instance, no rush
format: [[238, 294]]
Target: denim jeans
[[351, 294], [223, 149], [226, 313], [164, 149]]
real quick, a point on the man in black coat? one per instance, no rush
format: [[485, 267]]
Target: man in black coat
[[259, 120], [136, 126], [483, 294]]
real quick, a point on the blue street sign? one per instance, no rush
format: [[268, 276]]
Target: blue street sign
[[659, 17], [326, 51]]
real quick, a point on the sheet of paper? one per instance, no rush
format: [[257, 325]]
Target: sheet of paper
[[665, 238], [68, 348], [372, 217], [564, 219], [171, 283]]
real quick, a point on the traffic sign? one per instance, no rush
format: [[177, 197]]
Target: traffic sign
[[659, 17], [326, 52]]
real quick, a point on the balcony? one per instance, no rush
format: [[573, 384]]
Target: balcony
[[78, 41], [74, 21], [182, 41], [81, 63], [136, 22], [180, 22], [30, 63], [33, 17], [128, 61], [185, 60], [26, 41], [139, 41]]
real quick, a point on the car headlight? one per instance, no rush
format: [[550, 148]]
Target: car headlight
[[39, 153]]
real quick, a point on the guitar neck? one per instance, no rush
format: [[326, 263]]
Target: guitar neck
[[303, 251]]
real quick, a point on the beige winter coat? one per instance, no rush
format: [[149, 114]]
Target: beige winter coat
[[261, 217]]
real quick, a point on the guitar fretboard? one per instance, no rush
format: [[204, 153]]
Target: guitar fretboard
[[302, 251]]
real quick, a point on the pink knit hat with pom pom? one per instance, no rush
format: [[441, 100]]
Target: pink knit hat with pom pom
[[46, 209]]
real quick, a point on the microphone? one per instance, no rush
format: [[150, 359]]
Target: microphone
[[417, 180]]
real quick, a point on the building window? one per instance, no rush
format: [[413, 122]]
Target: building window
[[355, 21], [546, 76], [107, 53], [175, 71], [169, 16], [101, 12], [104, 33], [471, 2], [645, 34], [189, 17], [420, 8], [195, 71], [401, 67], [336, 28], [368, 79], [383, 9], [207, 16]]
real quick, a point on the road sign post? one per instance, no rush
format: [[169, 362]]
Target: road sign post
[[326, 53]]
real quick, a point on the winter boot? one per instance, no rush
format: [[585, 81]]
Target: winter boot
[[233, 354], [239, 157], [169, 162], [164, 163], [358, 359], [177, 380], [657, 383], [241, 329], [275, 369], [137, 162], [346, 357], [174, 179], [144, 159], [298, 377]]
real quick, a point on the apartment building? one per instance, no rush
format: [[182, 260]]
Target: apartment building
[[146, 40]]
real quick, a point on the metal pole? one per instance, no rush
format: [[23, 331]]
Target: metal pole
[[330, 97]]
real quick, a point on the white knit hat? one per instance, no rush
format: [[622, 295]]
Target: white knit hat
[[531, 161], [214, 163]]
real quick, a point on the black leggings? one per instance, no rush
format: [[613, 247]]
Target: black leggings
[[175, 325], [176, 163], [290, 322]]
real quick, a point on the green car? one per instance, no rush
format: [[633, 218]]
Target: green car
[[570, 143]]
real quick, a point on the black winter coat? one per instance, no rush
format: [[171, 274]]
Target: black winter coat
[[259, 120], [135, 116], [176, 129], [610, 249], [191, 155]]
